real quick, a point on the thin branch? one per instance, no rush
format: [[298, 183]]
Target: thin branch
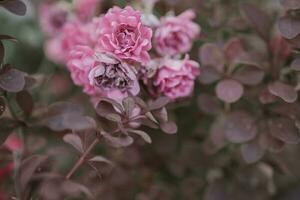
[[82, 158]]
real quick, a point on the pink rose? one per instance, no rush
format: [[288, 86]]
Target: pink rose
[[123, 34], [80, 62], [52, 16], [175, 35], [175, 78], [113, 77], [85, 9]]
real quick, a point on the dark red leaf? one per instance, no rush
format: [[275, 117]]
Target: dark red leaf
[[290, 4], [284, 91], [158, 103], [285, 130], [229, 91], [259, 20], [25, 101], [209, 104], [169, 127], [75, 141], [121, 141], [128, 104], [78, 122], [252, 152], [296, 64], [239, 127], [2, 52], [108, 106], [15, 6], [249, 75], [2, 105], [211, 55], [209, 75], [8, 37], [289, 27], [12, 81], [6, 126]]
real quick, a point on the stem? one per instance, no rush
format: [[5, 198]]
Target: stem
[[81, 159]]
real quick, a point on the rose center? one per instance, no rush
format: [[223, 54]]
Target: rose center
[[114, 77], [126, 36]]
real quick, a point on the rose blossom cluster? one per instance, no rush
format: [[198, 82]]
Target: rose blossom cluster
[[107, 55]]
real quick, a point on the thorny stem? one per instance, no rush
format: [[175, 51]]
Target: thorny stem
[[82, 158]]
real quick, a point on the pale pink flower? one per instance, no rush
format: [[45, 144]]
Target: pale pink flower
[[113, 77], [175, 78], [123, 34], [54, 51], [52, 17], [85, 9], [175, 35]]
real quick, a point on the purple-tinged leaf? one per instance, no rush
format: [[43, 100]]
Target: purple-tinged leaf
[[101, 159], [25, 101], [73, 189], [12, 80], [143, 135], [147, 122], [296, 65], [2, 52], [7, 125], [121, 141], [217, 133], [161, 115], [108, 106], [2, 105], [15, 6], [289, 27], [229, 91], [208, 75], [74, 141], [290, 4], [64, 108], [114, 117], [239, 127], [252, 152], [150, 116], [8, 37], [259, 20], [271, 143], [249, 75], [169, 127], [128, 104], [266, 97], [215, 191], [209, 104], [158, 103], [284, 91], [212, 56], [29, 167], [285, 130], [78, 122]]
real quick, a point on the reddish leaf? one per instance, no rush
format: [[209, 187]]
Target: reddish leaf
[[271, 144], [8, 37], [7, 125], [75, 141], [229, 91], [100, 159], [2, 52], [209, 104], [285, 130], [169, 127], [78, 122], [128, 104], [121, 141], [15, 6], [143, 134], [284, 91], [2, 106], [249, 75], [158, 103], [296, 64], [289, 27], [28, 168], [108, 106], [259, 20], [252, 152], [211, 55], [290, 4], [209, 75], [25, 101], [239, 127], [12, 81], [73, 189]]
